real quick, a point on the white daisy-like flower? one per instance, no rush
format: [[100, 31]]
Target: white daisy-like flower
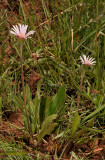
[[87, 61], [20, 31]]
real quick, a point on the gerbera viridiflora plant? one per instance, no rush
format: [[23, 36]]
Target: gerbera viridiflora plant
[[86, 61], [20, 32]]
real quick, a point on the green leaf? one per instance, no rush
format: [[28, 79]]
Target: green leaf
[[94, 113], [78, 134], [83, 131], [36, 112], [27, 93], [57, 101], [47, 105], [84, 39], [42, 109], [74, 156], [22, 7], [76, 122], [47, 126], [59, 135], [33, 108], [90, 123], [38, 89], [32, 115], [18, 100], [93, 130]]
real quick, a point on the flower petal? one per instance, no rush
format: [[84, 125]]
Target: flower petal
[[81, 59], [20, 31], [12, 32], [23, 29], [29, 33], [16, 29], [87, 61]]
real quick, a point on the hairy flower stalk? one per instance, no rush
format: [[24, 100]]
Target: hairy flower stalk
[[86, 61], [20, 32], [79, 93], [22, 76]]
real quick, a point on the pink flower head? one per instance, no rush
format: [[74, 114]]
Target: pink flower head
[[87, 61], [20, 31]]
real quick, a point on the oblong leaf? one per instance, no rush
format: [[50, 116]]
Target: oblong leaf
[[47, 126], [57, 101], [94, 113], [76, 122]]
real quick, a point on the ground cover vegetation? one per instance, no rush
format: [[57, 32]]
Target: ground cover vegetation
[[52, 80]]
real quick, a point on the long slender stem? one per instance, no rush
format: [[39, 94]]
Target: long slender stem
[[79, 93], [22, 76]]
